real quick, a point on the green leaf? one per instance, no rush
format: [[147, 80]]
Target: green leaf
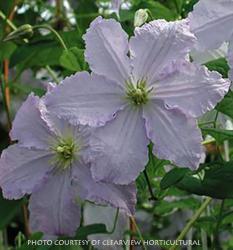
[[8, 209], [7, 48], [188, 6], [172, 177], [154, 168], [179, 5], [163, 207], [71, 38], [175, 5], [34, 236], [33, 55], [73, 59], [192, 185], [225, 106], [86, 11], [26, 89], [158, 10], [217, 182], [220, 135], [219, 65]]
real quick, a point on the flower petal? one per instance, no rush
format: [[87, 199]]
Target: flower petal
[[230, 59], [86, 99], [122, 148], [107, 48], [175, 136], [118, 196], [202, 57], [29, 128], [156, 44], [23, 170], [192, 88], [52, 208], [211, 22]]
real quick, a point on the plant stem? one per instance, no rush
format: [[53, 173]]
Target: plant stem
[[215, 119], [26, 222], [59, 38], [115, 222], [5, 105], [205, 123], [132, 230], [6, 92], [192, 221], [149, 186], [8, 21], [215, 241], [6, 89], [138, 232], [59, 5], [52, 74], [208, 142]]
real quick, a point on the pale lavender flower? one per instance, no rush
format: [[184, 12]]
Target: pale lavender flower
[[51, 162], [148, 91], [211, 22], [230, 59], [202, 57]]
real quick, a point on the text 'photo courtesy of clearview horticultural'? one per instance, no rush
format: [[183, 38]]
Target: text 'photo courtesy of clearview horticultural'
[[116, 124]]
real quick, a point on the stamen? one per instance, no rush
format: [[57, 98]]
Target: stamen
[[138, 95], [65, 151]]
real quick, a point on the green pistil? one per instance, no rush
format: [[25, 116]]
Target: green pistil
[[65, 150], [138, 95]]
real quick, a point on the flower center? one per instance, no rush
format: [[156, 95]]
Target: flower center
[[137, 95], [65, 150]]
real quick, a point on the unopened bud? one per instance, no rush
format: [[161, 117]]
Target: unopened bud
[[140, 17], [23, 32]]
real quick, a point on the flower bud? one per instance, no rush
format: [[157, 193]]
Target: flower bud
[[140, 17], [23, 32]]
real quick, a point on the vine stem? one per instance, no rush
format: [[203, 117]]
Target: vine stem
[[133, 230], [219, 219], [2, 83], [52, 74], [58, 8], [8, 21], [59, 38], [7, 99], [26, 222], [115, 222], [192, 221], [138, 232], [6, 62], [149, 186]]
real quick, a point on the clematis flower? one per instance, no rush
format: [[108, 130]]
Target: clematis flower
[[141, 90], [211, 22], [51, 162], [202, 57]]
